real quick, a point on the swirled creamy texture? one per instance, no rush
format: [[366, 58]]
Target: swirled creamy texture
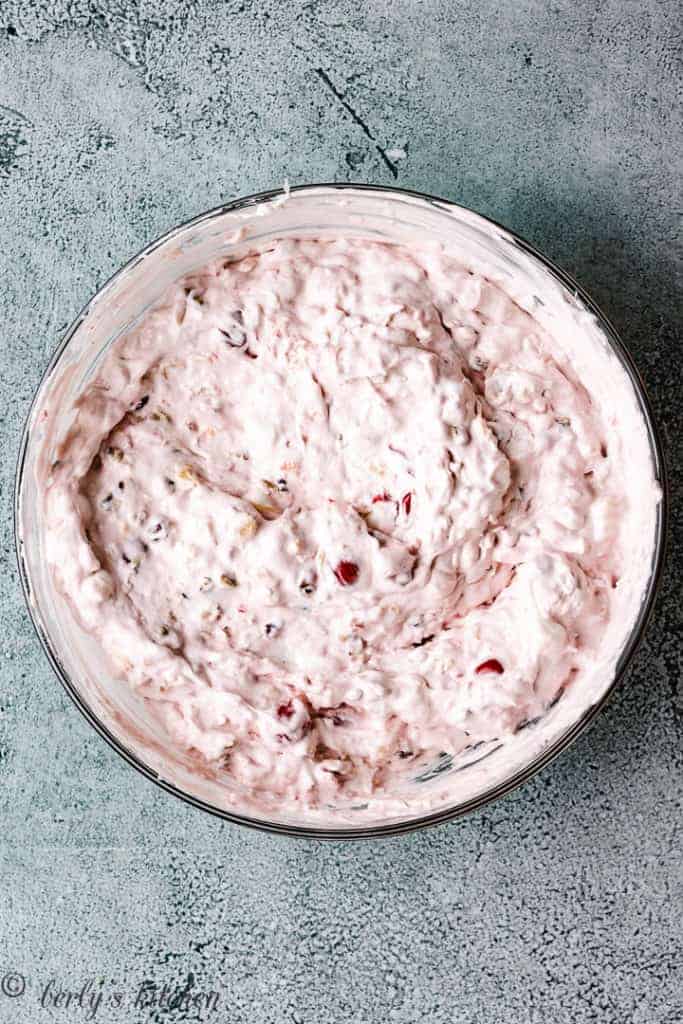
[[335, 509]]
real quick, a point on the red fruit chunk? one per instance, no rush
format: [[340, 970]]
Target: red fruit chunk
[[285, 710], [346, 573], [381, 497], [407, 501], [492, 665]]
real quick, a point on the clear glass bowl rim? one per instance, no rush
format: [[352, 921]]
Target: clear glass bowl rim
[[565, 739]]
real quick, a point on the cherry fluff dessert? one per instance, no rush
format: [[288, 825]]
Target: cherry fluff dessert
[[336, 508]]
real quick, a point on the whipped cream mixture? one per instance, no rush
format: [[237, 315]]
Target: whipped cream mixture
[[335, 509]]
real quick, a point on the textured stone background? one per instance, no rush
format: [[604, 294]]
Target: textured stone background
[[561, 904]]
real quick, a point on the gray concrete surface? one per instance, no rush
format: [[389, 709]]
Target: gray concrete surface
[[563, 903]]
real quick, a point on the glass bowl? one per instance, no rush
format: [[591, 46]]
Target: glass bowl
[[452, 786]]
